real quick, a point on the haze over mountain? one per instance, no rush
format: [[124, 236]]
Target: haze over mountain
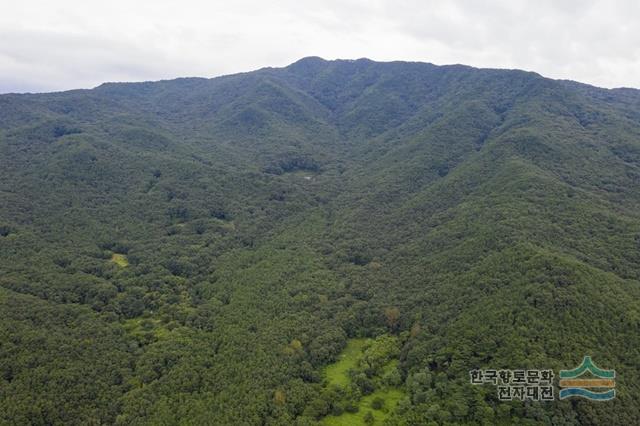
[[198, 251]]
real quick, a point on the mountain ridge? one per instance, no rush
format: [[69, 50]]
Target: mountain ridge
[[320, 60]]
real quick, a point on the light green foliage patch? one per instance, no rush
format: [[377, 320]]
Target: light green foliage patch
[[120, 260]]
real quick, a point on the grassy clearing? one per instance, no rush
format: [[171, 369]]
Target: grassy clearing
[[120, 260], [336, 373], [391, 398]]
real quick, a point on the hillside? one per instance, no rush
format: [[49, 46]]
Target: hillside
[[201, 251]]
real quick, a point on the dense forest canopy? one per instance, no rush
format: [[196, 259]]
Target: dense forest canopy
[[275, 247]]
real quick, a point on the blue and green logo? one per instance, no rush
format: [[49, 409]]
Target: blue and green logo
[[602, 382]]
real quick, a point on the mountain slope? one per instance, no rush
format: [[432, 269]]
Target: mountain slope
[[268, 217]]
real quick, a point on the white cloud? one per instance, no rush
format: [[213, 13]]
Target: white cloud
[[66, 44]]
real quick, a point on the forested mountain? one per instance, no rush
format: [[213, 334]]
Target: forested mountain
[[199, 251]]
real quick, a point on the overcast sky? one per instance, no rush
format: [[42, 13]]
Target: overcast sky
[[50, 45]]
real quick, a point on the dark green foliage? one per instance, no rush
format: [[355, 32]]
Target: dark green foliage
[[377, 403], [369, 419], [484, 218]]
